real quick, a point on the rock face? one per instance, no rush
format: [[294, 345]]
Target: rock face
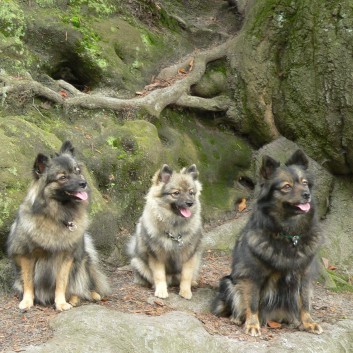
[[95, 329]]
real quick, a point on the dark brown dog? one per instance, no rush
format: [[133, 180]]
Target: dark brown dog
[[274, 256]]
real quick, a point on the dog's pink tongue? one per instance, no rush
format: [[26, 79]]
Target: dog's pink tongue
[[185, 212], [304, 206], [81, 195]]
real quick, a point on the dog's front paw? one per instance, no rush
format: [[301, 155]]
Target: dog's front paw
[[253, 330], [25, 304], [161, 291], [312, 327], [95, 296], [185, 293], [236, 320], [63, 306]]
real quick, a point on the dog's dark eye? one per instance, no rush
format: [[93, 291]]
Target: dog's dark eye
[[191, 192], [176, 193], [305, 182], [287, 187], [63, 178]]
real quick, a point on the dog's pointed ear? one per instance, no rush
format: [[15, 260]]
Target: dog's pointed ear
[[165, 173], [269, 165], [298, 158], [192, 170], [67, 148], [40, 164]]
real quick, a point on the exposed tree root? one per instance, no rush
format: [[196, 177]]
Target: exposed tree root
[[177, 91]]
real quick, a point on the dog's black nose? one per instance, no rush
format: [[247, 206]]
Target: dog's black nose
[[189, 203], [306, 195], [83, 184]]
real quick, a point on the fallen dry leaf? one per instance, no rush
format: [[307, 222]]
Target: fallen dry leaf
[[273, 324], [242, 205], [159, 302], [191, 65], [181, 71], [63, 93]]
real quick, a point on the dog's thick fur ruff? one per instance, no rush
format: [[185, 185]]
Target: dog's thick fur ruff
[[166, 248], [274, 257], [54, 256]]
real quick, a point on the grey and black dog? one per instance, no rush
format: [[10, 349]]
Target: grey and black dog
[[166, 248], [54, 256]]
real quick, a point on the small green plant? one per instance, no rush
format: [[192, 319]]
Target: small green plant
[[113, 142], [76, 21], [343, 282]]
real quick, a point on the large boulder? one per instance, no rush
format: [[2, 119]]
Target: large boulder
[[95, 328]]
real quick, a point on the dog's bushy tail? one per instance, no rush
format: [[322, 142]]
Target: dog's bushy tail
[[222, 305], [98, 280]]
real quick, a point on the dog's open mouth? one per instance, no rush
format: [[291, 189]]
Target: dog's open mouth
[[305, 207], [185, 212], [78, 195]]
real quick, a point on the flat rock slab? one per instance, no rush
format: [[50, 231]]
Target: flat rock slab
[[93, 328]]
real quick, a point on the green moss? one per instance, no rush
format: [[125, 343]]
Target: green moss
[[12, 20], [267, 14], [45, 3], [98, 7], [168, 21]]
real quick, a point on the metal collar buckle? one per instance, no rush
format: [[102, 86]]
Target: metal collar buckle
[[176, 238], [72, 226]]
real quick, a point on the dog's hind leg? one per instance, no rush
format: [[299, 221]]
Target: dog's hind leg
[[62, 280], [74, 300], [27, 274], [95, 296], [142, 272]]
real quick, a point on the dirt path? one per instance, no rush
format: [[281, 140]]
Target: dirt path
[[20, 329]]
